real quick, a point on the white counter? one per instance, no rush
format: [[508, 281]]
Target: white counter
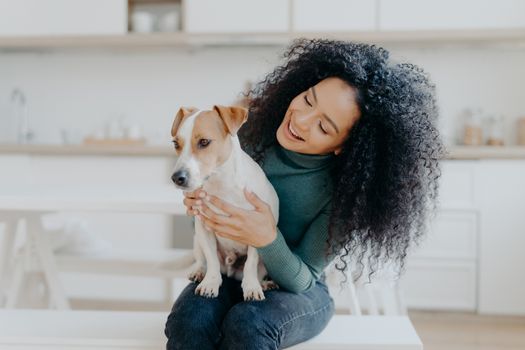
[[455, 152]]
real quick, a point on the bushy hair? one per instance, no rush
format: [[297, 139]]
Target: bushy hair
[[386, 177]]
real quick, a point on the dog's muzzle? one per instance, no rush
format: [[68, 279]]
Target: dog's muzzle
[[181, 178]]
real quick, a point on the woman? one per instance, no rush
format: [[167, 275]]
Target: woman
[[349, 141]]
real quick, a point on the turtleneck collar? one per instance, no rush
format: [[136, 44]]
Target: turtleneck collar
[[306, 161]]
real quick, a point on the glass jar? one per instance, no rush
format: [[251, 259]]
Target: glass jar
[[472, 128], [495, 130]]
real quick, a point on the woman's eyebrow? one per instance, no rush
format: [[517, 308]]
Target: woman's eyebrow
[[324, 115]]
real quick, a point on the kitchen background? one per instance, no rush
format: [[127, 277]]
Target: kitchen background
[[98, 83]]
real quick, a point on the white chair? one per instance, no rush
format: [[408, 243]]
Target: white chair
[[19, 171], [380, 296], [369, 314]]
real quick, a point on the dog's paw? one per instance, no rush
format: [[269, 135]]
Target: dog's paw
[[269, 285], [197, 274], [252, 291], [209, 287]]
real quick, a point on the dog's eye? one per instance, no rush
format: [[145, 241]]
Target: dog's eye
[[176, 144], [204, 143]]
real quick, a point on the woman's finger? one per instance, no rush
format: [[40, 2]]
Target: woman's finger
[[220, 219], [218, 229], [192, 206], [192, 194], [188, 202], [208, 224], [254, 199], [225, 207], [228, 234]]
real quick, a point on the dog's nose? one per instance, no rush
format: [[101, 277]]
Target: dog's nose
[[180, 178]]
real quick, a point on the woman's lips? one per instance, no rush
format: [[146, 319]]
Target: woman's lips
[[290, 135]]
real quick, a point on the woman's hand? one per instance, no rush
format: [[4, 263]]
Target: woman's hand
[[255, 227], [190, 201]]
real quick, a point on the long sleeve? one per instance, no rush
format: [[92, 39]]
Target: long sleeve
[[297, 270]]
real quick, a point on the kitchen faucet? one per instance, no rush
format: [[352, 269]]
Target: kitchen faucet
[[19, 109]]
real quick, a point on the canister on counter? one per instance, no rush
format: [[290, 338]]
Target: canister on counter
[[472, 128], [495, 126]]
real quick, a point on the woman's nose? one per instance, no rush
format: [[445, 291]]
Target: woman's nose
[[303, 120]]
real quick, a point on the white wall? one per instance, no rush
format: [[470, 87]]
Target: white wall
[[83, 89], [489, 77]]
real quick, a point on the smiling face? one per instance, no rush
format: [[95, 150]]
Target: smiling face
[[319, 119]]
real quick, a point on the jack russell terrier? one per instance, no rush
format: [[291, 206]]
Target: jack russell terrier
[[210, 155]]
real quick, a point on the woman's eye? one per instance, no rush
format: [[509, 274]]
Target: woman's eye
[[204, 143], [321, 127], [176, 144], [306, 100]]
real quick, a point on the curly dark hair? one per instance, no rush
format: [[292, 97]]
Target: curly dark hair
[[386, 176]]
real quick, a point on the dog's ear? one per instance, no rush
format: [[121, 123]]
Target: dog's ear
[[233, 117], [183, 112]]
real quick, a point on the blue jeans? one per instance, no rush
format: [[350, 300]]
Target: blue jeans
[[228, 322]]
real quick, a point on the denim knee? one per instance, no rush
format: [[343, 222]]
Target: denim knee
[[196, 331], [244, 327], [192, 326]]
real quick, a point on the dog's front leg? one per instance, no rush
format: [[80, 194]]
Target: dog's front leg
[[251, 287], [209, 286], [198, 269]]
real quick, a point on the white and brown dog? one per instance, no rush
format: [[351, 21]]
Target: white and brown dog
[[210, 155]]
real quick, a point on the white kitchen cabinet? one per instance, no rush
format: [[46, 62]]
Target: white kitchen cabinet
[[234, 16], [440, 284], [62, 17], [453, 235], [456, 190], [472, 258], [502, 246], [450, 14], [333, 15], [442, 272]]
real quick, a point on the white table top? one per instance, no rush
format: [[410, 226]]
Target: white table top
[[162, 199]]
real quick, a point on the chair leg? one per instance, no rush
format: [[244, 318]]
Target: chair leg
[[355, 308], [372, 302], [402, 307], [47, 263], [388, 299], [16, 285], [7, 256]]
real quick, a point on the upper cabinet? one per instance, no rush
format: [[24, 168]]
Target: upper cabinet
[[333, 15], [63, 17], [451, 14], [233, 16], [103, 22]]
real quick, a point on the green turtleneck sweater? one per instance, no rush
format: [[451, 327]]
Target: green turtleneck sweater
[[297, 257]]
